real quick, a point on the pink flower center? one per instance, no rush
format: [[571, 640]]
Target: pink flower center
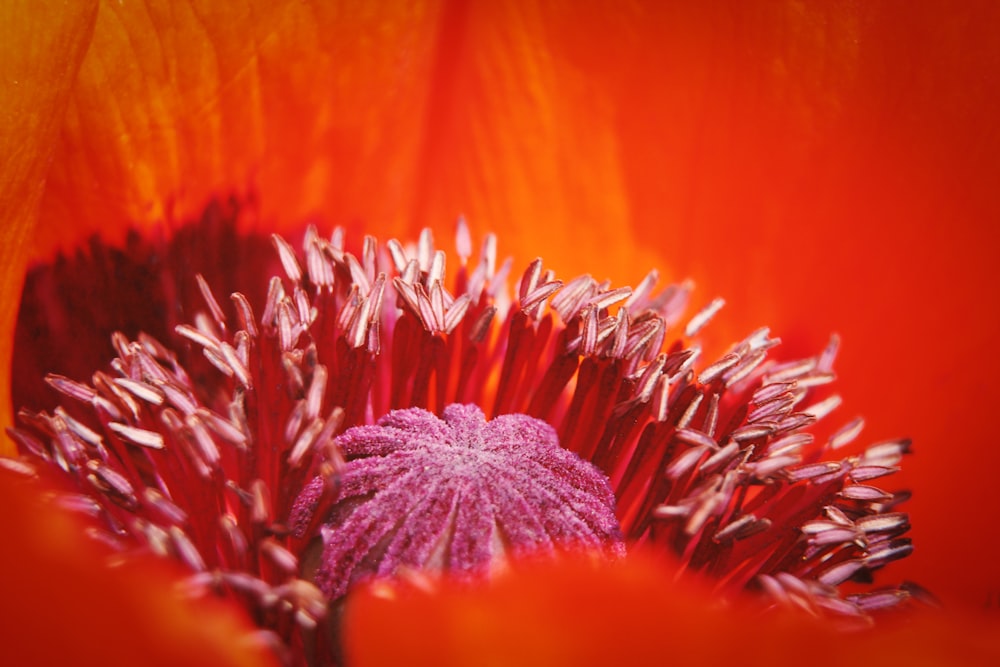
[[455, 493]]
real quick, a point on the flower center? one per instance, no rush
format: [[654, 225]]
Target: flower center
[[455, 493], [332, 427]]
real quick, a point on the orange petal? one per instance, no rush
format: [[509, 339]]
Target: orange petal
[[41, 46], [62, 605], [522, 134], [824, 167], [385, 118], [314, 107], [832, 167], [631, 613]]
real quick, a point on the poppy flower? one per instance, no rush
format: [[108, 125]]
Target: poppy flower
[[823, 168]]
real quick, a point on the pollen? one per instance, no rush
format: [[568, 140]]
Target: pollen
[[455, 493]]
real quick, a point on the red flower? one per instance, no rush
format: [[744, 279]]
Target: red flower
[[823, 168]]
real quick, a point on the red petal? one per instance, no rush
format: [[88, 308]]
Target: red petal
[[62, 604], [41, 46], [316, 107], [828, 167], [581, 613]]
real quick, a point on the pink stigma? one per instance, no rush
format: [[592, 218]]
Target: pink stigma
[[454, 494]]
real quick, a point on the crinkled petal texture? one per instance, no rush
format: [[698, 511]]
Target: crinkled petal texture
[[315, 106], [455, 494], [64, 605], [41, 47], [391, 115], [579, 613]]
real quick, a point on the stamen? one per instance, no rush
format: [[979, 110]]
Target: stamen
[[846, 434], [480, 423], [287, 257], [71, 388], [699, 321], [218, 316], [463, 240], [138, 436]]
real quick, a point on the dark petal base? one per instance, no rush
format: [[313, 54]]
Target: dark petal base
[[70, 307]]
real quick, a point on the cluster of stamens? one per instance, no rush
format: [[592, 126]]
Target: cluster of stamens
[[203, 461]]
